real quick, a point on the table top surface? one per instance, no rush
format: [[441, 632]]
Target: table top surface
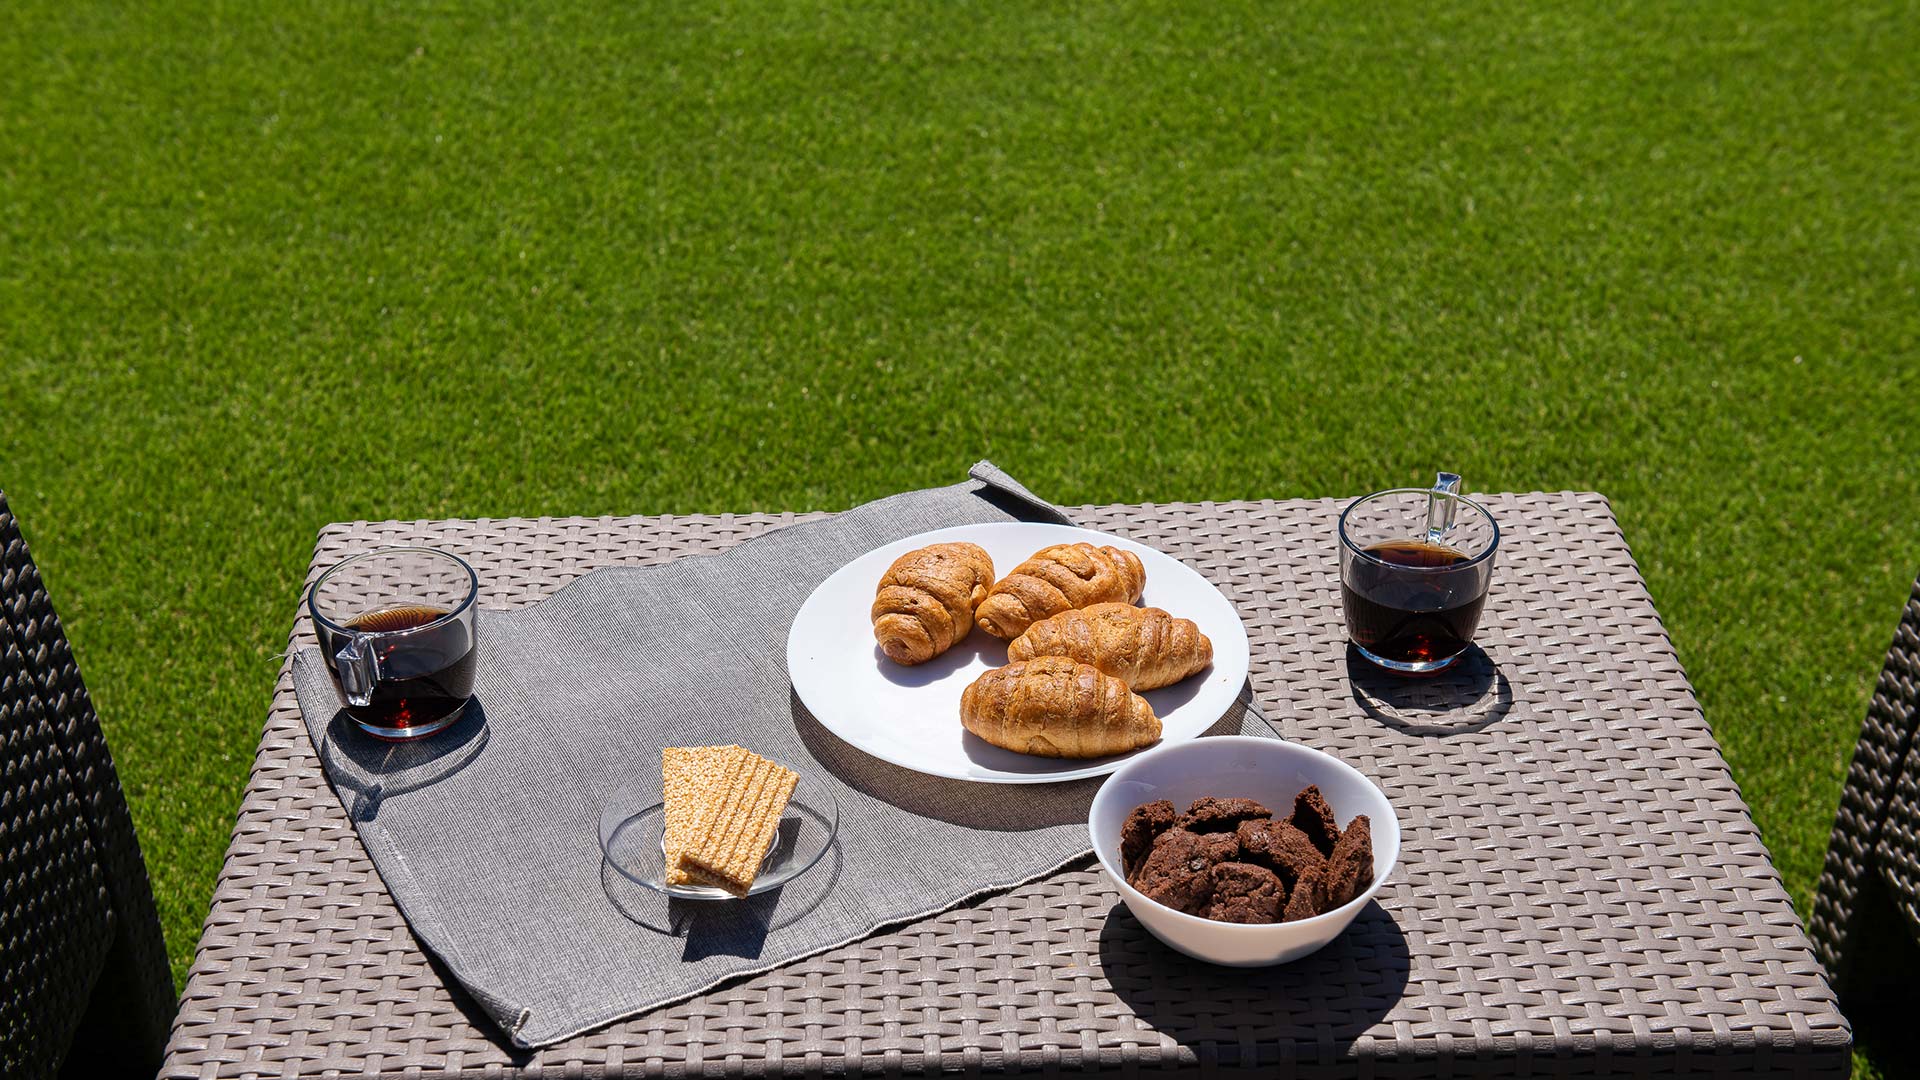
[[1581, 889]]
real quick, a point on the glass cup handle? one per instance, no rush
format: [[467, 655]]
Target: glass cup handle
[[358, 662], [1440, 512]]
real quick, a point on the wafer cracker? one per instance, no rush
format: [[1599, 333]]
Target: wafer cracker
[[690, 780], [732, 838]]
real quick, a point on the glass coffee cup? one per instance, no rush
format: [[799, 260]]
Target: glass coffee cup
[[1415, 565], [398, 627]]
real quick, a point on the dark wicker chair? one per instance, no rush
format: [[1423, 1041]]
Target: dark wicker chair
[[84, 984], [1866, 916]]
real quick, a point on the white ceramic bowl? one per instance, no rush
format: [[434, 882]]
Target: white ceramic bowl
[[1272, 772]]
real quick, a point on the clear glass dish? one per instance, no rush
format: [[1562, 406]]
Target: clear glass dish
[[633, 823]]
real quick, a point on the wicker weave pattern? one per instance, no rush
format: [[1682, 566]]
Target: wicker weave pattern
[[1582, 891], [1898, 850], [55, 920], [79, 915], [1873, 857], [1896, 700]]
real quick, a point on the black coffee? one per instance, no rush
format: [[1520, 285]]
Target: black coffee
[[425, 677], [1412, 616]]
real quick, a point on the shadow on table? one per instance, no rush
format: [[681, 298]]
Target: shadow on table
[[963, 802], [1470, 696], [365, 770], [482, 1024], [1337, 994]]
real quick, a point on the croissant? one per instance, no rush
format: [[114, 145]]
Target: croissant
[[926, 598], [1056, 707], [1056, 579], [1142, 647]]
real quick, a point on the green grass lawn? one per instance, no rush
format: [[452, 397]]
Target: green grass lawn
[[267, 266]]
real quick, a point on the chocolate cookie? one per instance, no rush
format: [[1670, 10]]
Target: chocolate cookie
[[1147, 821], [1221, 815], [1222, 847], [1350, 870], [1312, 815], [1280, 847], [1308, 898], [1245, 893], [1176, 872]]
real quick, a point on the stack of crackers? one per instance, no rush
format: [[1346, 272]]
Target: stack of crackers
[[723, 805]]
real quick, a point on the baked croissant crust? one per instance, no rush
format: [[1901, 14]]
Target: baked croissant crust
[[1056, 579], [926, 599], [1142, 647], [1056, 707]]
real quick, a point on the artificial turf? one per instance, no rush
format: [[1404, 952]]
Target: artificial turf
[[267, 266]]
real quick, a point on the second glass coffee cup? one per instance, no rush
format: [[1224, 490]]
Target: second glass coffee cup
[[399, 630], [1415, 566]]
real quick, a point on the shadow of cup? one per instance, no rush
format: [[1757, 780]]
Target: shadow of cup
[[367, 770], [1469, 696]]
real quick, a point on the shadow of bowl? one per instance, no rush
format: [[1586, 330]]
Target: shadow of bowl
[[1326, 1000]]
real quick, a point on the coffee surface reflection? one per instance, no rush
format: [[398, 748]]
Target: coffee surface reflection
[[430, 682], [1411, 618]]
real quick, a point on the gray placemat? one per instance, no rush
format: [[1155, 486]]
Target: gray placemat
[[487, 835]]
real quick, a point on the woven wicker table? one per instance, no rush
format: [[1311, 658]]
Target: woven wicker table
[[1581, 891]]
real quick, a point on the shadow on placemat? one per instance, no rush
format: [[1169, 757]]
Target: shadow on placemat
[[963, 802], [366, 770], [1340, 992], [477, 1019], [958, 802], [723, 927], [1470, 696]]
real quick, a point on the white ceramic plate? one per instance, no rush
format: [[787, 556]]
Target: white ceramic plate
[[910, 716]]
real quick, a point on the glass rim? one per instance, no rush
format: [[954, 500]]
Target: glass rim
[[473, 590], [619, 814], [1472, 560]]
